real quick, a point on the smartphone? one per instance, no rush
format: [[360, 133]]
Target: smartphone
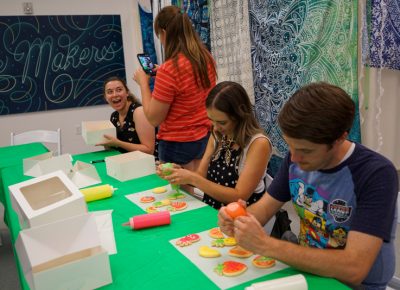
[[146, 63]]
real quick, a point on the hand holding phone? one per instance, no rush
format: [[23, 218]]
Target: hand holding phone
[[146, 63]]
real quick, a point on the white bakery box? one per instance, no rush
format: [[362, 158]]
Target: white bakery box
[[66, 254], [46, 199], [130, 165], [93, 131]]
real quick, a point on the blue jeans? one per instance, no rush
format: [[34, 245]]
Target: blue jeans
[[181, 152]]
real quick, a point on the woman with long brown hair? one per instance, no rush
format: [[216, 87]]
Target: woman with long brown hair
[[182, 83]]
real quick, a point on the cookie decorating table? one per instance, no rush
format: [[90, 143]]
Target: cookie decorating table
[[145, 258]]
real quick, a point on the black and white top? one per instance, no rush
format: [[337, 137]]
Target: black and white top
[[225, 167], [127, 131]]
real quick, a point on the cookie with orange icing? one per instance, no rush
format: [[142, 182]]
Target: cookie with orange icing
[[147, 199], [188, 240], [177, 206], [239, 252], [216, 233], [263, 262]]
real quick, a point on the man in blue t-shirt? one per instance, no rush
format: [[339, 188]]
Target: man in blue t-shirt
[[344, 194]]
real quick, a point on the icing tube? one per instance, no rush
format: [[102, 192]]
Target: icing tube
[[295, 282], [97, 192], [150, 220]]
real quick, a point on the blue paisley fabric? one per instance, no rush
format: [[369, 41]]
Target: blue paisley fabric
[[384, 34], [198, 13], [294, 43]]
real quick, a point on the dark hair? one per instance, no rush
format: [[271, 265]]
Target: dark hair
[[131, 97], [319, 113], [232, 99], [182, 38]]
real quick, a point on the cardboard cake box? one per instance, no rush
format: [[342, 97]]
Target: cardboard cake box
[[130, 165], [66, 254], [46, 199], [93, 131]]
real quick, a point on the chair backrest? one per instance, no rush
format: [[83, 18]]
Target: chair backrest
[[45, 136]]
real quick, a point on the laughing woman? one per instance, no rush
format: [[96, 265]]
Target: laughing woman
[[134, 132]]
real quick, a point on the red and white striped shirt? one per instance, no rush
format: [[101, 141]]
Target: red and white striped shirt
[[187, 119]]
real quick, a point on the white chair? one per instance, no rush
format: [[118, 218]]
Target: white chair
[[44, 136]]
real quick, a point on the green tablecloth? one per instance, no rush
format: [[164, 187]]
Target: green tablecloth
[[145, 259], [13, 155]]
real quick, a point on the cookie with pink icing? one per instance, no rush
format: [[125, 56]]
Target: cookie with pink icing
[[188, 240]]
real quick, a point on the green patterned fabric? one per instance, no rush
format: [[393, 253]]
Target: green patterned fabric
[[298, 42]]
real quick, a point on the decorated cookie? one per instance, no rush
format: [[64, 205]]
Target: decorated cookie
[[151, 209], [175, 195], [177, 206], [158, 190], [216, 233], [219, 243], [188, 240], [263, 262], [162, 203], [208, 252], [147, 199], [230, 242], [230, 268], [239, 252]]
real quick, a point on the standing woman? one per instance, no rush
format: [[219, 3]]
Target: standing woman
[[182, 83], [235, 162], [134, 132]]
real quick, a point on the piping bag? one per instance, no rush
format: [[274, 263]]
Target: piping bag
[[98, 192], [165, 168], [149, 220]]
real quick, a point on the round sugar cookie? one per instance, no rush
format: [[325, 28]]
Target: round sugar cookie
[[159, 190], [147, 199], [239, 252], [177, 206], [188, 240], [216, 233], [263, 262]]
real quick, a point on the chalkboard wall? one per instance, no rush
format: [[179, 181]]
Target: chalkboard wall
[[56, 62]]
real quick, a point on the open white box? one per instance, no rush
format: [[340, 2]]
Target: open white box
[[45, 163], [66, 254], [84, 174], [130, 165], [93, 131], [46, 199]]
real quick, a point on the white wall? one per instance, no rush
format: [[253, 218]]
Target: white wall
[[70, 119], [380, 107]]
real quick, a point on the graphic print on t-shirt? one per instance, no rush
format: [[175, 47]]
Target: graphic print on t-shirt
[[324, 213]]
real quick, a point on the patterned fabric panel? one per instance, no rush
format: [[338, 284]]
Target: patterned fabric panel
[[298, 42], [383, 19]]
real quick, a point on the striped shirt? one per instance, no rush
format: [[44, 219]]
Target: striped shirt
[[187, 119]]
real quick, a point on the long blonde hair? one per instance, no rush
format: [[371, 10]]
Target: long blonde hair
[[182, 38]]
